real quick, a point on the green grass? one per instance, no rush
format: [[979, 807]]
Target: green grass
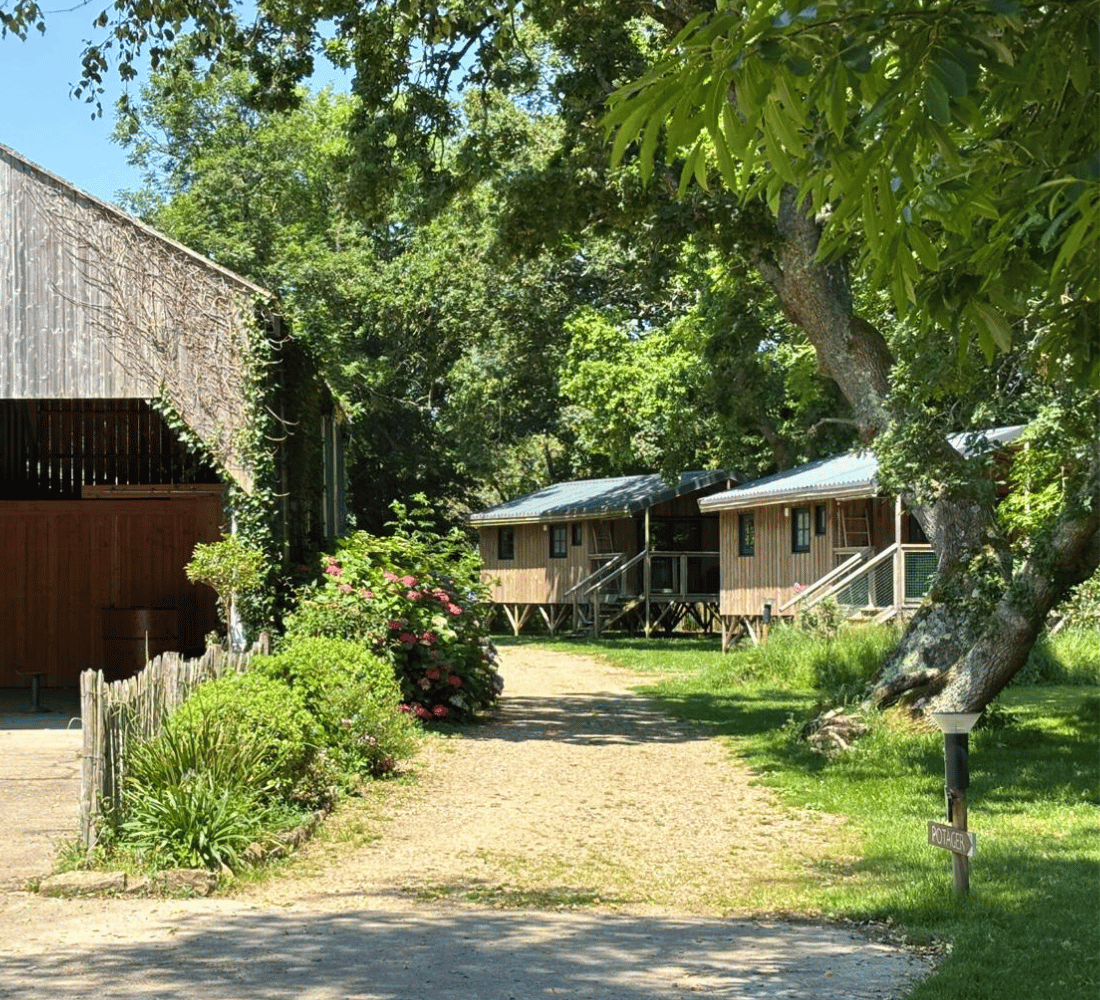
[[1030, 927]]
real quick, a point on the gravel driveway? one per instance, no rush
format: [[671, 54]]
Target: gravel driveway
[[579, 845]]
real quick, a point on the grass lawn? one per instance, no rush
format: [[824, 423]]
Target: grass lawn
[[1030, 927]]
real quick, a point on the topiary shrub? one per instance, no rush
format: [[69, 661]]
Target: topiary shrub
[[415, 597], [353, 697]]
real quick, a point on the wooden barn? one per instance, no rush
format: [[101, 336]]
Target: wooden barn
[[822, 531], [105, 325], [633, 550]]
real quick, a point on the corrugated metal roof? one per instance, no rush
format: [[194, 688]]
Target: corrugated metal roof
[[595, 498], [852, 474]]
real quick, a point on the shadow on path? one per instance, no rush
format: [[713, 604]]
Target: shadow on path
[[462, 955]]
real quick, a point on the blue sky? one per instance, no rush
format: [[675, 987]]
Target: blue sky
[[41, 122]]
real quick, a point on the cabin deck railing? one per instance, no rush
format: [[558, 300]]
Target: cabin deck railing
[[883, 586]]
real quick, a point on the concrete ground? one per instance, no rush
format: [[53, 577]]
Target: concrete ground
[[39, 780]]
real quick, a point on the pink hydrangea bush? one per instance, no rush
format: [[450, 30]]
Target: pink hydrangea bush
[[416, 597]]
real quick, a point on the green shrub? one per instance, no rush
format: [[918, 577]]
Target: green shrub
[[252, 708], [415, 597], [353, 697]]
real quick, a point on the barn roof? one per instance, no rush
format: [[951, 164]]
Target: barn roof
[[851, 475], [94, 304], [592, 498]]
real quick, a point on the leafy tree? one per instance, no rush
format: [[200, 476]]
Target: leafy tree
[[942, 151]]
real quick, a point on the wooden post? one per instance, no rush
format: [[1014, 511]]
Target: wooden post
[[648, 575], [899, 560], [956, 815]]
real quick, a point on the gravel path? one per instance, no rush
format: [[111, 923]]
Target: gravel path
[[578, 845]]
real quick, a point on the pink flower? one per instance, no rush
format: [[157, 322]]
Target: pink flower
[[433, 674], [404, 708], [428, 638], [441, 595], [408, 581], [344, 588], [441, 711], [455, 681], [407, 637], [454, 609], [333, 570], [389, 577], [413, 595], [421, 712], [424, 683], [395, 623], [367, 595]]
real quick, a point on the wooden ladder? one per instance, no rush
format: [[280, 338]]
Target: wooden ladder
[[855, 531], [602, 542]]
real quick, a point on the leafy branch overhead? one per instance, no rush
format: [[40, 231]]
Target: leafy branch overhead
[[952, 148]]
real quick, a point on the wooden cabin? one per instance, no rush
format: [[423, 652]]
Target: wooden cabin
[[105, 326], [632, 550], [822, 531]]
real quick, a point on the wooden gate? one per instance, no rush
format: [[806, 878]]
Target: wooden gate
[[64, 564]]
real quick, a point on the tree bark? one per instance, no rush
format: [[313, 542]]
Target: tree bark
[[1065, 557], [978, 627]]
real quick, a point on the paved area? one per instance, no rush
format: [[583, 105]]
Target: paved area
[[352, 925], [39, 781]]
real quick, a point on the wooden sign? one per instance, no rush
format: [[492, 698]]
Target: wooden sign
[[950, 839]]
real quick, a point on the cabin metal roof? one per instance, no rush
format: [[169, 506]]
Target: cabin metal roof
[[591, 498], [847, 476]]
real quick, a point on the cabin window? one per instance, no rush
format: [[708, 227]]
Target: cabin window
[[820, 521], [578, 533], [800, 529], [506, 543], [746, 534], [557, 541]]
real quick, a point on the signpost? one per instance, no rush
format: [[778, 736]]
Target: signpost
[[947, 837], [956, 760]]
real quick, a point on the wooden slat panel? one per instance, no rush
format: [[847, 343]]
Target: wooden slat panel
[[771, 574], [79, 282], [63, 562]]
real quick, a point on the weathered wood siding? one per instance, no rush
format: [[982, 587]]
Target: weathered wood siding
[[95, 305], [533, 577], [63, 562], [771, 573]]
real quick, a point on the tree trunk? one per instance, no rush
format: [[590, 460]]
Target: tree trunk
[[1066, 556], [977, 628]]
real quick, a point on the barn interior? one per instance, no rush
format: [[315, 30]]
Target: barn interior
[[101, 505]]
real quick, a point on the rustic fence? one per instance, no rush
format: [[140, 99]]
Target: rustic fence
[[116, 712]]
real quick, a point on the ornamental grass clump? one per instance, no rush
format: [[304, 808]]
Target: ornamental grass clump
[[201, 790], [416, 598]]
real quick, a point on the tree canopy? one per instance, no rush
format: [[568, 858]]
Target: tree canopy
[[951, 148], [942, 155]]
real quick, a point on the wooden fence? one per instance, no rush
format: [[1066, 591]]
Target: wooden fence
[[116, 712]]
